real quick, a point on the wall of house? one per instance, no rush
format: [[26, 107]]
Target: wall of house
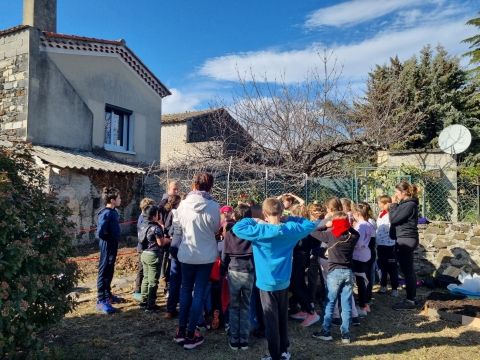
[[14, 59], [105, 79], [57, 115], [174, 146], [448, 248], [81, 192]]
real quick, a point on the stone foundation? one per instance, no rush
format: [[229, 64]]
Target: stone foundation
[[448, 248]]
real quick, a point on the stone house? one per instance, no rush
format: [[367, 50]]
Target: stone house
[[184, 135], [90, 107]]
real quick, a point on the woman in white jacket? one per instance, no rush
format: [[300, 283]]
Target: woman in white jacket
[[198, 220]]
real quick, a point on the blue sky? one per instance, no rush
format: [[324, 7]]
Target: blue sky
[[197, 47]]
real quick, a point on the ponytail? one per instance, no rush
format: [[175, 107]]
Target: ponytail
[[410, 190]]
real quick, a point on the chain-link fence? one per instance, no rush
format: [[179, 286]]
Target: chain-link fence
[[440, 198]]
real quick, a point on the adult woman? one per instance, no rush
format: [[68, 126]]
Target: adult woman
[[199, 220], [404, 228]]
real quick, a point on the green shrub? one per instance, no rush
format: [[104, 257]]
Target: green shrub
[[35, 276]]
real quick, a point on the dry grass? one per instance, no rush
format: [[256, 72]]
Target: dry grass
[[385, 334]]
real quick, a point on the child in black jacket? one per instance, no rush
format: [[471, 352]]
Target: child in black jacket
[[341, 240]]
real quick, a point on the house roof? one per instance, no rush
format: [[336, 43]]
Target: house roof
[[184, 117], [13, 30], [55, 41], [81, 160]]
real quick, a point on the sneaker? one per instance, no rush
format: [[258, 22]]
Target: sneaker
[[286, 356], [383, 290], [405, 305], [192, 343], [336, 321], [346, 339], [301, 315], [355, 321], [137, 296], [115, 299], [362, 312], [243, 346], [153, 308], [310, 319], [105, 307], [216, 320], [203, 327], [322, 335], [234, 345], [179, 337], [394, 293]]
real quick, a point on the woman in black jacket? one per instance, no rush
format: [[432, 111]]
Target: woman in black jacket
[[404, 228]]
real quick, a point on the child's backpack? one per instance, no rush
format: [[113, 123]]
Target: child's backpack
[[144, 233]]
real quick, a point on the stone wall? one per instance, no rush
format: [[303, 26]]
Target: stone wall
[[448, 248], [81, 192], [14, 62]]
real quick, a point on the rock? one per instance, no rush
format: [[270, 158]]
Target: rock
[[444, 256], [476, 231], [460, 236], [452, 271], [475, 240], [435, 230], [439, 244]]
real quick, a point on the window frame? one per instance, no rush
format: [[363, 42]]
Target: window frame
[[127, 128]]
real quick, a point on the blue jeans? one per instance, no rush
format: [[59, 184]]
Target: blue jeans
[[339, 282], [240, 284], [195, 279], [174, 285]]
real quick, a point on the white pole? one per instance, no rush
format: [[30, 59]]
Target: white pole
[[228, 179]]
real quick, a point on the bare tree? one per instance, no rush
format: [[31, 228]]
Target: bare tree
[[305, 128]]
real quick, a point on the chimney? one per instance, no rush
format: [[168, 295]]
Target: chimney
[[41, 14]]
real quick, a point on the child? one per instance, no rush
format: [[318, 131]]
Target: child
[[372, 263], [237, 256], [108, 235], [315, 212], [341, 242], [298, 285], [347, 209], [175, 274], [141, 219], [273, 245], [289, 200], [153, 240], [387, 261], [362, 254]]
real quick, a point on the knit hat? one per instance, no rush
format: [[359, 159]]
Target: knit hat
[[225, 209]]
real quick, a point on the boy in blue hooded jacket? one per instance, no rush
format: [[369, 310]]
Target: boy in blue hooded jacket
[[273, 244]]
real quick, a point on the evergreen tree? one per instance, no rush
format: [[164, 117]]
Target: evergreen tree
[[432, 86], [474, 52]]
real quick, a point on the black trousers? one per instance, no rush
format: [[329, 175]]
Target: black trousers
[[387, 262], [298, 285], [361, 267], [139, 278], [405, 260], [275, 313]]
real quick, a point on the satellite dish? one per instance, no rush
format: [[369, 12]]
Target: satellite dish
[[454, 139]]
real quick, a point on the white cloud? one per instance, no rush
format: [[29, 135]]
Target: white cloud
[[357, 58], [180, 102], [356, 11]]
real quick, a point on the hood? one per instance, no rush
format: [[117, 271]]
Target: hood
[[196, 201]]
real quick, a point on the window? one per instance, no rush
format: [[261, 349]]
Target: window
[[118, 129]]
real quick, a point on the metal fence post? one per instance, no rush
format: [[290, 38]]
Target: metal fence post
[[266, 183]]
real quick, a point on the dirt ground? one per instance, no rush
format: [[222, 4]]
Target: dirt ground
[[132, 334]]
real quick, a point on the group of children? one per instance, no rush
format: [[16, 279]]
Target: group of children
[[276, 261]]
